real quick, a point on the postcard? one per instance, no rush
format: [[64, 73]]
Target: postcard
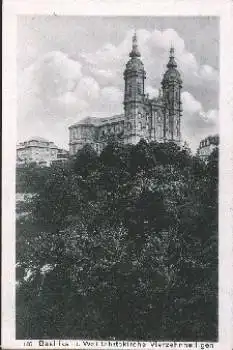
[[117, 175]]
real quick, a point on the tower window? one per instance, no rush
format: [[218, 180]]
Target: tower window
[[160, 134], [139, 88], [140, 126], [130, 89]]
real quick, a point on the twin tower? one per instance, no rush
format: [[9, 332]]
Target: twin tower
[[152, 119]]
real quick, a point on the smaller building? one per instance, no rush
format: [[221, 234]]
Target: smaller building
[[62, 156], [40, 151], [207, 146]]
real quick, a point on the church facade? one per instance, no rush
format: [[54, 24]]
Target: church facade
[[156, 119]]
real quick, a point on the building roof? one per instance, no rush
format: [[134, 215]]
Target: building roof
[[40, 142], [98, 121], [38, 138], [135, 52], [172, 73], [87, 121], [134, 64], [209, 140]]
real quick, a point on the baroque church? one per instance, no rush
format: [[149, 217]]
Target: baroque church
[[157, 119]]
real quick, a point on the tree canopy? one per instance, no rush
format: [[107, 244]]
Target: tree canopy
[[120, 245]]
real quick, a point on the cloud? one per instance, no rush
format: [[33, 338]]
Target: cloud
[[154, 47], [70, 103], [57, 90], [53, 74], [160, 43], [153, 92], [208, 73], [190, 104], [43, 88], [106, 76], [211, 117], [48, 77], [80, 98], [89, 99], [111, 99], [53, 94], [196, 122], [111, 94], [87, 88]]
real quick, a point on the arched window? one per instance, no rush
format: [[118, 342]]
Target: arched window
[[139, 126], [160, 131]]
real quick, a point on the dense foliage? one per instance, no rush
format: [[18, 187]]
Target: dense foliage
[[121, 245]]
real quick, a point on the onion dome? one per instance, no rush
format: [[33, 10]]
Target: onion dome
[[172, 74], [134, 64]]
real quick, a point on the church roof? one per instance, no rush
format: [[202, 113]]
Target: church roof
[[172, 73], [89, 120], [134, 63], [99, 121], [38, 138], [113, 119], [135, 52]]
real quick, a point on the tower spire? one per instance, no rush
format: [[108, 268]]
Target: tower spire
[[172, 63], [135, 52]]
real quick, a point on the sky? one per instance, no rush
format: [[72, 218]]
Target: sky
[[70, 67]]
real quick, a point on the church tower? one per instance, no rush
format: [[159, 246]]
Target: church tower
[[134, 76], [171, 86]]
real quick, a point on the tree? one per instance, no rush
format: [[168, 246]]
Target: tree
[[130, 232]]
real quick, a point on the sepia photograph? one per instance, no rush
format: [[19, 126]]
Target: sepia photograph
[[117, 195]]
